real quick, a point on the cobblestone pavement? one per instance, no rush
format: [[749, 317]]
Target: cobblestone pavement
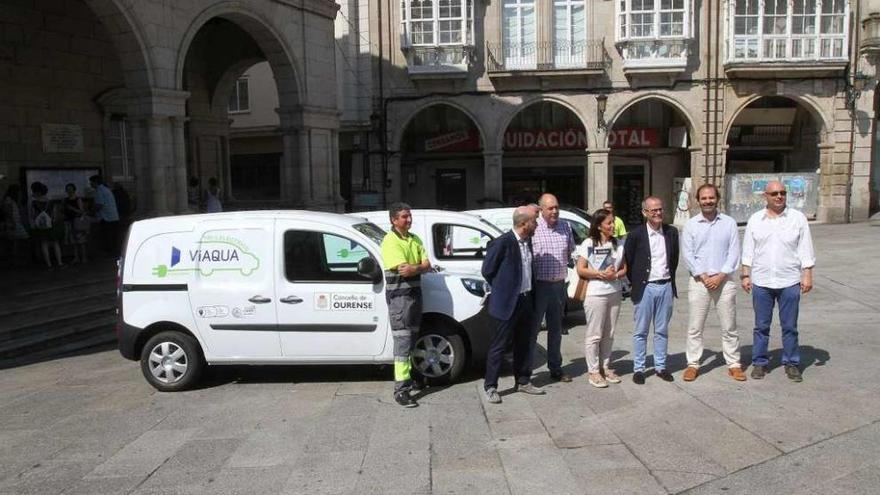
[[90, 424]]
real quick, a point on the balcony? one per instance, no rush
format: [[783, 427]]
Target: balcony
[[871, 34], [439, 61], [546, 58], [654, 56]]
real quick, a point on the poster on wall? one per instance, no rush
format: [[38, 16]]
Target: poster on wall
[[745, 193], [682, 188], [62, 138], [57, 178]]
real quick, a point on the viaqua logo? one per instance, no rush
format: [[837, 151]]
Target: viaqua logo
[[213, 254]]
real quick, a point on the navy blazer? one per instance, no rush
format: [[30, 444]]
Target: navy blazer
[[637, 251], [502, 268]]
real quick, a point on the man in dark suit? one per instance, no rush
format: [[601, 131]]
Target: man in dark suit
[[651, 253], [508, 270]]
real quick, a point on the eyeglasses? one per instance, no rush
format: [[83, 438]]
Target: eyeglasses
[[777, 193], [655, 210]]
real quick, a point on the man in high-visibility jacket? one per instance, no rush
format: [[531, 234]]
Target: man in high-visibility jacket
[[404, 261]]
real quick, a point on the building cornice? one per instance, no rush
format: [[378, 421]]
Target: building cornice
[[323, 8]]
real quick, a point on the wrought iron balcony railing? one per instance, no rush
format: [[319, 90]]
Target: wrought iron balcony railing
[[547, 56]]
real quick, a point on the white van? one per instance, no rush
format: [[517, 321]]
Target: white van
[[453, 240], [279, 287], [580, 228]]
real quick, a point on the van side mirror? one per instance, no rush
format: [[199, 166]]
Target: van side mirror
[[369, 269]]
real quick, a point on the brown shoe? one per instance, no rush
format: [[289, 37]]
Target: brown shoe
[[561, 377], [737, 374], [690, 374]]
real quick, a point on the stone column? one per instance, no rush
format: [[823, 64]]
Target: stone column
[[492, 176], [698, 177], [289, 173], [597, 178], [179, 173], [393, 180], [158, 143], [308, 172], [833, 181]]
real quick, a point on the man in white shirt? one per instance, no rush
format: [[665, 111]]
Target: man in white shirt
[[710, 248], [777, 267]]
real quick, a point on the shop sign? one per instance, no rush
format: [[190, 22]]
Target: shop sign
[[633, 137], [556, 139], [453, 141]]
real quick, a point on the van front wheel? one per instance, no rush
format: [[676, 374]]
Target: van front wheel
[[439, 355], [171, 361]]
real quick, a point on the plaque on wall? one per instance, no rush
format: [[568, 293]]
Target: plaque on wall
[[62, 138]]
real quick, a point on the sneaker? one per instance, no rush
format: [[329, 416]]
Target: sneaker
[[665, 376], [736, 373], [690, 374], [611, 376], [492, 396], [793, 373], [597, 381], [639, 377], [560, 376], [758, 372], [528, 388], [403, 398]]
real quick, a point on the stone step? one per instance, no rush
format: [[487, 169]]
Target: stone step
[[88, 332], [70, 314], [56, 288], [21, 305]]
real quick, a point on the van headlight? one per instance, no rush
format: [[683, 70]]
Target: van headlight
[[475, 286]]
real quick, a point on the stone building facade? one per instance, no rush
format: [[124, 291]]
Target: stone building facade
[[482, 103], [138, 90]]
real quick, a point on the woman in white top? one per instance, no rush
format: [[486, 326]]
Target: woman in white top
[[601, 263], [212, 197]]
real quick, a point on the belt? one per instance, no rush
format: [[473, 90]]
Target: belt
[[660, 282]]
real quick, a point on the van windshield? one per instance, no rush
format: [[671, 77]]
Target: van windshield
[[372, 231]]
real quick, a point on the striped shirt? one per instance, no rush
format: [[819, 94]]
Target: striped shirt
[[552, 247]]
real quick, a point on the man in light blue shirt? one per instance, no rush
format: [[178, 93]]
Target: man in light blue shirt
[[106, 211], [710, 247]]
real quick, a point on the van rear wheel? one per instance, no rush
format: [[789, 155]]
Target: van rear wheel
[[172, 361], [439, 355]]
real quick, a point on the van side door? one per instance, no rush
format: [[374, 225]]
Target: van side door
[[326, 310], [232, 292], [456, 244]]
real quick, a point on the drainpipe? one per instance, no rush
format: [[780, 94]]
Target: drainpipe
[[853, 69], [383, 143]]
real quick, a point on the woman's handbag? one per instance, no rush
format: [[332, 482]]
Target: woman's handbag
[[580, 291]]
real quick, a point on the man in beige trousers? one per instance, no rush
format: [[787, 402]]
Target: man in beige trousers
[[710, 247]]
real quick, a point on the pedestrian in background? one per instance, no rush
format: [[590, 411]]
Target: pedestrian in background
[[193, 199], [651, 253], [601, 262], [108, 216], [14, 232], [619, 227], [44, 225], [405, 260], [507, 268], [710, 248], [777, 268], [76, 225], [212, 197], [552, 245]]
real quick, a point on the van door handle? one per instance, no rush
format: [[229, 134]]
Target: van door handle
[[291, 300], [260, 300]]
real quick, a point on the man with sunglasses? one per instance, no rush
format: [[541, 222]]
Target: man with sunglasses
[[777, 267], [651, 253]]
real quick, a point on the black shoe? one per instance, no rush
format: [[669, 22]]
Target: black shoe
[[758, 372], [418, 384], [793, 373], [404, 399], [560, 376], [639, 378], [665, 376]]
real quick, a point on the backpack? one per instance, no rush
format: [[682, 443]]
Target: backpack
[[43, 220]]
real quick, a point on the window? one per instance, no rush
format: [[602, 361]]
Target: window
[[459, 242], [653, 30], [120, 149], [239, 99], [787, 29], [569, 33], [436, 32], [579, 231], [322, 257], [520, 34]]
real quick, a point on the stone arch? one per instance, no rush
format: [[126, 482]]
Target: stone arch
[[400, 131], [807, 101], [694, 136], [284, 65], [527, 102], [125, 33]]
